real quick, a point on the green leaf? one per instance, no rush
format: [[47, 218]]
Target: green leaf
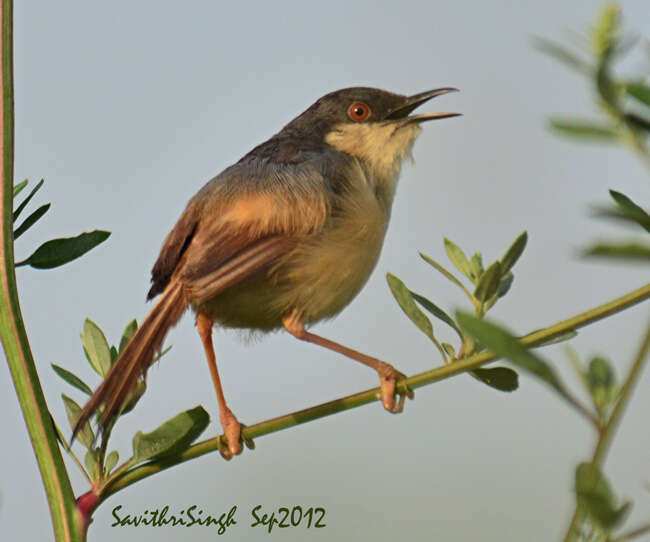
[[19, 187], [500, 378], [639, 91], [172, 437], [458, 258], [505, 283], [61, 251], [133, 397], [600, 373], [437, 312], [31, 220], [584, 130], [562, 54], [161, 353], [601, 382], [451, 352], [59, 435], [111, 461], [566, 336], [443, 271], [476, 264], [406, 302], [595, 494], [128, 332], [506, 345], [631, 209], [606, 32], [628, 251], [72, 379], [73, 410], [637, 121], [114, 354], [92, 463], [96, 347], [24, 203], [512, 254], [489, 283]]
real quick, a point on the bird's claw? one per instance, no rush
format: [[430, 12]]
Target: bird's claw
[[230, 443], [389, 376]]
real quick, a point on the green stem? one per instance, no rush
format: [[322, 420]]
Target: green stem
[[644, 529], [12, 331], [606, 435], [131, 476]]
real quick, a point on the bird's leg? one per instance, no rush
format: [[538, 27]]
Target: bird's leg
[[388, 375], [230, 424]]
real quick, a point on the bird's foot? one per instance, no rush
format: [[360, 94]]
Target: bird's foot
[[233, 438], [389, 376]]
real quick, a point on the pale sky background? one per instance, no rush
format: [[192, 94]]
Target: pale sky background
[[128, 108]]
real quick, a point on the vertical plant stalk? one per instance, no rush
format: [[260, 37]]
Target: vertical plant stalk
[[607, 433], [67, 526]]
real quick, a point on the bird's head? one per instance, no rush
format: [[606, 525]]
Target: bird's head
[[373, 125]]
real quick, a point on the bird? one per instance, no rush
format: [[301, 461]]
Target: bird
[[285, 237]]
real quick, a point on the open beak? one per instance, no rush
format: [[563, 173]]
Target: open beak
[[412, 102]]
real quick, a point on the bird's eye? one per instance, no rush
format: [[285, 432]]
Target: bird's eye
[[359, 112]]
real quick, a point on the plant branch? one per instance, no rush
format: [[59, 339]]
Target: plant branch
[[130, 476], [12, 331], [607, 434], [633, 534]]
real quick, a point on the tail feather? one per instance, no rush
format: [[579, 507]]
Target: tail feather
[[135, 359]]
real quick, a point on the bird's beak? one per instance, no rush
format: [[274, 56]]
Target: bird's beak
[[401, 112]]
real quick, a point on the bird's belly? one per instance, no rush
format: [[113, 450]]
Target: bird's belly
[[317, 279]]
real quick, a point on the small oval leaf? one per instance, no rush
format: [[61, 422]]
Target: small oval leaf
[[449, 276], [476, 263], [489, 283], [406, 302], [31, 220], [512, 254], [128, 332], [96, 347], [628, 251], [631, 210], [499, 378], [458, 258], [505, 283], [92, 464], [19, 187], [585, 130], [73, 410], [172, 437], [437, 312], [72, 379], [111, 461], [61, 251], [24, 203], [566, 336], [595, 494]]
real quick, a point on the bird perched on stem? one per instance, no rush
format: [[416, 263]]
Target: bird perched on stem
[[285, 237]]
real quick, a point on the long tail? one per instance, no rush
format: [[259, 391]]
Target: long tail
[[136, 357]]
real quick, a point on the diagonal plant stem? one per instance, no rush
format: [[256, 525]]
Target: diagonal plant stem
[[12, 331], [606, 435], [126, 477]]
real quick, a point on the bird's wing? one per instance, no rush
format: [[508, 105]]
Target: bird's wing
[[243, 220]]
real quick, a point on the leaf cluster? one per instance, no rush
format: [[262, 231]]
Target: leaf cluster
[[58, 251], [487, 287], [171, 438]]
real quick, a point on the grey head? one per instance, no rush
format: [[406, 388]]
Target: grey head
[[340, 117]]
